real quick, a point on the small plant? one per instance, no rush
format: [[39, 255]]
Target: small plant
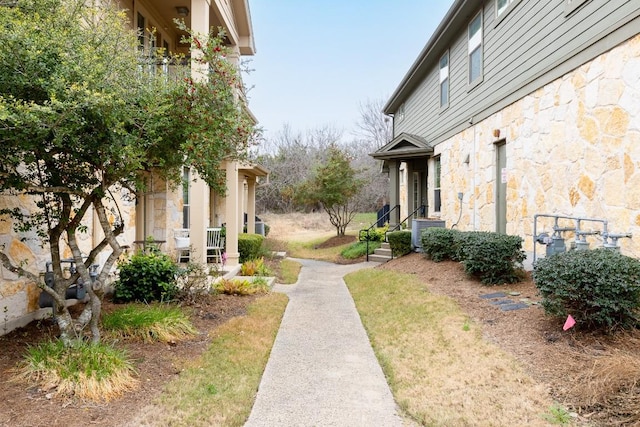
[[557, 415], [146, 277], [376, 234], [193, 281], [599, 288], [241, 287], [149, 323], [255, 267], [85, 370]]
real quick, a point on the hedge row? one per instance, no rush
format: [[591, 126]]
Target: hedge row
[[491, 257]]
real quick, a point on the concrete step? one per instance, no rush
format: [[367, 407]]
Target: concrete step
[[379, 258], [383, 252]]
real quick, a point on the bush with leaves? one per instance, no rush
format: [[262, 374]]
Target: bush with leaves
[[376, 234], [493, 258], [400, 242], [147, 276], [249, 246], [599, 288], [439, 243]]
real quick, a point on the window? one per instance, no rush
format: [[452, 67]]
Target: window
[[186, 180], [400, 113], [141, 31], [475, 49], [502, 5], [444, 80], [436, 185]]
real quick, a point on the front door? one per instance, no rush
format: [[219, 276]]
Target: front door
[[501, 187]]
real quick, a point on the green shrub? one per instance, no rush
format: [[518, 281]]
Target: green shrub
[[438, 243], [146, 277], [249, 246], [376, 234], [599, 288], [359, 249], [491, 257], [400, 242]]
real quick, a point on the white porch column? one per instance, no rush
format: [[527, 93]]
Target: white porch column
[[234, 227], [199, 219], [199, 24], [394, 190], [251, 205]]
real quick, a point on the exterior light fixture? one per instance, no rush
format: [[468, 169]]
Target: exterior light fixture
[[182, 11]]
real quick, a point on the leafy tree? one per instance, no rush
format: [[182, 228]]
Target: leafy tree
[[83, 117], [333, 186]]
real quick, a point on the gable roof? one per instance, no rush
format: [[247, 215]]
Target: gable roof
[[402, 147]]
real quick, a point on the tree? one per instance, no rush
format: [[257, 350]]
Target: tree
[[333, 186], [291, 160], [81, 120]]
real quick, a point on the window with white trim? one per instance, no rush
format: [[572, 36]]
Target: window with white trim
[[444, 80], [400, 113], [502, 5], [475, 49]]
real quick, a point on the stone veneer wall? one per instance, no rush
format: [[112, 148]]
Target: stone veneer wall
[[573, 148], [18, 296]]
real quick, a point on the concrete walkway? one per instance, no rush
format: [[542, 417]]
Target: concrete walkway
[[322, 370]]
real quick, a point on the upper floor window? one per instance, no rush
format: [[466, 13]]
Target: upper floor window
[[502, 5], [400, 113], [444, 80], [475, 49]]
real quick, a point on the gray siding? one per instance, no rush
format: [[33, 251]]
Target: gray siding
[[535, 43]]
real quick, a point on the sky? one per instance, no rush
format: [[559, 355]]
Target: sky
[[317, 62]]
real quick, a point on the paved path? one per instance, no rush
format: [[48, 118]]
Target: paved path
[[322, 370]]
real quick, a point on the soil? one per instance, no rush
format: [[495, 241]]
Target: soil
[[570, 363], [156, 365], [594, 375]]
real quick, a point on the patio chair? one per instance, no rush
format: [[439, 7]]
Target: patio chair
[[214, 245], [182, 244]]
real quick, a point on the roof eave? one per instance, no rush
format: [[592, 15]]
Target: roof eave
[[446, 30]]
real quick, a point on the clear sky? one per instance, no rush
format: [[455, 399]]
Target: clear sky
[[317, 61]]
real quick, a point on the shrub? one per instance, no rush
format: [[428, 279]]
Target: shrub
[[241, 287], [438, 243], [599, 288], [492, 257], [400, 242], [249, 246], [146, 277], [359, 249], [376, 234]]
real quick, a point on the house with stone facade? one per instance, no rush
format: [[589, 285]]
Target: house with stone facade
[[517, 114], [162, 211]]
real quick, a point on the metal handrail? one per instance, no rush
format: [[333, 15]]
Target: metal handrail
[[397, 226], [374, 225]]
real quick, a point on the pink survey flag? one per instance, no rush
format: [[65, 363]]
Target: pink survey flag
[[569, 323]]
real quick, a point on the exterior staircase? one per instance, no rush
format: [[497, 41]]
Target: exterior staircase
[[382, 254]]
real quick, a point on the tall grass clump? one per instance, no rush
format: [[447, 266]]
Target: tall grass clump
[[97, 372], [149, 323], [359, 249]]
